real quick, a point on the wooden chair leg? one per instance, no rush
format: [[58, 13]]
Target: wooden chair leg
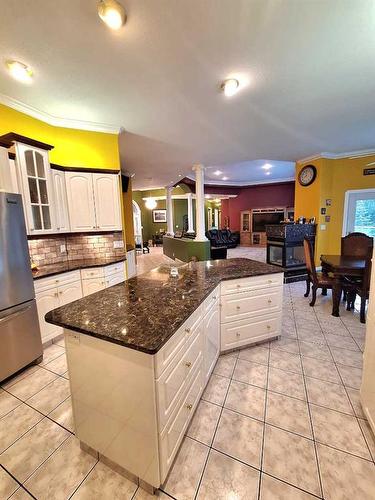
[[312, 303], [324, 291], [362, 314], [307, 288]]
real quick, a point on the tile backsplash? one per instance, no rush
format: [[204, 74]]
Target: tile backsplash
[[44, 251]]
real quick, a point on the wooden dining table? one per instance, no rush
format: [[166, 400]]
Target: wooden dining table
[[340, 266]]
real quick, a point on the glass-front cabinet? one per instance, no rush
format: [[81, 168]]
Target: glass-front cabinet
[[37, 189]]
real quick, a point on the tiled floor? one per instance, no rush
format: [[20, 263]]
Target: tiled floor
[[279, 421]]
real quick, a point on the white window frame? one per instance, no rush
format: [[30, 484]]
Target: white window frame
[[346, 205]]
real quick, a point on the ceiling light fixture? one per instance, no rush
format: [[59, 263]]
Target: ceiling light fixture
[[218, 172], [112, 13], [268, 173], [267, 166], [230, 87], [20, 71], [224, 178], [150, 203]]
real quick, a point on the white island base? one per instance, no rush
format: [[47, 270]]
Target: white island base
[[133, 408]]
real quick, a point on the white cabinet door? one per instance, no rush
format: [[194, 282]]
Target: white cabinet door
[[61, 201], [211, 339], [115, 279], [38, 195], [92, 285], [70, 292], [81, 204], [130, 264], [46, 301], [107, 201]]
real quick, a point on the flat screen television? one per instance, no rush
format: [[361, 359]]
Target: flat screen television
[[261, 219]]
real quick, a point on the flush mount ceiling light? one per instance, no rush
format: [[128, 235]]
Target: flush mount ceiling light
[[218, 172], [268, 173], [20, 71], [150, 203], [267, 166], [112, 13], [230, 87], [224, 178]]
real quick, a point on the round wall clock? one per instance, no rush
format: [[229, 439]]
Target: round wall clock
[[307, 175]]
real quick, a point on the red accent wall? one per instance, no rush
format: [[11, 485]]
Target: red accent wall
[[261, 196]]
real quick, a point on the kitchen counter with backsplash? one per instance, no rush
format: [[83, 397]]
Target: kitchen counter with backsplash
[[72, 265], [144, 312]]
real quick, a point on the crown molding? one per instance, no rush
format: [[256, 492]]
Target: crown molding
[[57, 121], [337, 156], [243, 184]]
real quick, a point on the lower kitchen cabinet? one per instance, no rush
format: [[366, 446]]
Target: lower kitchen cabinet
[[92, 285], [47, 300], [211, 339]]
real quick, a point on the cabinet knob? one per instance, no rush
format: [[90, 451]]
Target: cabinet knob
[[269, 301], [56, 281], [214, 298], [189, 407], [188, 364], [238, 334], [187, 330], [238, 308], [56, 294], [269, 281], [268, 327], [238, 286]]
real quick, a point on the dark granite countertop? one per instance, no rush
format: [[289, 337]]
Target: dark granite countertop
[[145, 311], [73, 265]]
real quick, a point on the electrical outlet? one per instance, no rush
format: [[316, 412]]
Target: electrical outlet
[[63, 248], [323, 227], [118, 244]]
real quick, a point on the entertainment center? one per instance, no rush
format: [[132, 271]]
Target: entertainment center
[[254, 221]]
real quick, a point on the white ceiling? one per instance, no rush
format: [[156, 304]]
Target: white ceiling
[[306, 68]]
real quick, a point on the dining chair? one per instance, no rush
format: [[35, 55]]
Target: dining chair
[[317, 280], [361, 287], [356, 245]]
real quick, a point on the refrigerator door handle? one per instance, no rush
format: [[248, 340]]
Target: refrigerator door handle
[[13, 315]]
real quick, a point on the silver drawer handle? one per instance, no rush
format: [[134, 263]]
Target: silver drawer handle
[[189, 407], [188, 364]]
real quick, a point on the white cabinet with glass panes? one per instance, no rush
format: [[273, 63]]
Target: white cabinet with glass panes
[[37, 189]]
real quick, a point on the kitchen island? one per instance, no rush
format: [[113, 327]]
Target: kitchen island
[[141, 353]]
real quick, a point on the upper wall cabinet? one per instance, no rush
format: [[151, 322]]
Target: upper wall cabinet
[[61, 208], [37, 188], [93, 201]]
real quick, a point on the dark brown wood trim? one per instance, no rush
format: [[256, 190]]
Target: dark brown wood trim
[[11, 137], [12, 156], [83, 169]]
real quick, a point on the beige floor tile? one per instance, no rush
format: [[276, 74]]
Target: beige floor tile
[[144, 495], [285, 344], [345, 477], [7, 402], [66, 375], [62, 473], [246, 399], [321, 369], [51, 352], [216, 389], [343, 342], [288, 413], [291, 458], [314, 337], [256, 354], [105, 484], [225, 366], [240, 437], [352, 377], [273, 489], [339, 431], [285, 361], [50, 396], [184, 477], [63, 415], [59, 342], [347, 357], [20, 494], [225, 478], [288, 383], [23, 373], [7, 484], [204, 422], [16, 423], [26, 454], [315, 350], [369, 436], [250, 373], [58, 365], [32, 384], [328, 394], [355, 400]]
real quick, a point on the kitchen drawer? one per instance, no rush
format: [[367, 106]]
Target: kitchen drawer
[[174, 379], [211, 300], [253, 283], [170, 439], [118, 267], [171, 348], [92, 285], [92, 272], [57, 280], [248, 331], [242, 305], [114, 279]]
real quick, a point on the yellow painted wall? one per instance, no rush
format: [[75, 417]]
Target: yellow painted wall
[[73, 148], [334, 178]]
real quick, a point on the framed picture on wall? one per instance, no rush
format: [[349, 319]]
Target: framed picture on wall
[[159, 216]]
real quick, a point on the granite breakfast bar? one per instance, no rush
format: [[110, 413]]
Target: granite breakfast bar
[[140, 354]]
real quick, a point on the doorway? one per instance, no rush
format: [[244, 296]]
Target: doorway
[[359, 212], [137, 221]]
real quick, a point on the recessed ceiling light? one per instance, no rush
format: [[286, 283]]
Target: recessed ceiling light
[[218, 172], [20, 71], [112, 13], [150, 203], [268, 173], [230, 87], [224, 178], [267, 166]]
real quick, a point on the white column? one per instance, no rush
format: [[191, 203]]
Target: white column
[[170, 231], [190, 213], [199, 190]]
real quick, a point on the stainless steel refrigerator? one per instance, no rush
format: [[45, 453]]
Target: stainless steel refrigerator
[[20, 339]]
